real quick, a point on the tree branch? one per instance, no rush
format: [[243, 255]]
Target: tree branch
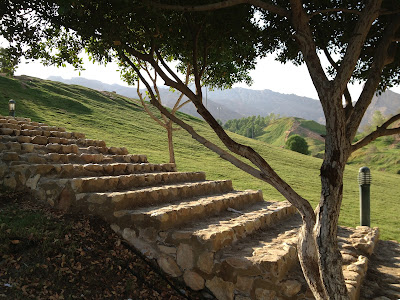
[[146, 107], [384, 12], [196, 72], [328, 10], [220, 5], [347, 96], [355, 45], [382, 130], [223, 154], [354, 119], [265, 172], [304, 38]]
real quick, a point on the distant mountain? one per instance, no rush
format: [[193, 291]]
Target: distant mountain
[[240, 102], [220, 111], [388, 103], [263, 102]]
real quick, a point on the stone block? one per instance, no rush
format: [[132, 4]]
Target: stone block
[[54, 157], [114, 150], [6, 131], [14, 146], [103, 150], [66, 149], [119, 168], [46, 133], [39, 139], [27, 147], [167, 250], [184, 256], [10, 156], [223, 290], [169, 266], [291, 287], [67, 135], [101, 143], [10, 182], [53, 147], [262, 294], [33, 181], [78, 135], [34, 158], [124, 151], [27, 126], [193, 280], [74, 148], [244, 284], [24, 139], [205, 262], [53, 140]]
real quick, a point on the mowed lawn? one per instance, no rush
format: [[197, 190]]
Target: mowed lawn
[[122, 121]]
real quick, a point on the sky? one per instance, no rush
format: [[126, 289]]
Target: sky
[[269, 74]]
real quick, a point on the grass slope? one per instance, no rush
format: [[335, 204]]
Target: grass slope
[[122, 122], [276, 132]]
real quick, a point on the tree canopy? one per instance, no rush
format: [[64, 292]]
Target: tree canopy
[[297, 143]]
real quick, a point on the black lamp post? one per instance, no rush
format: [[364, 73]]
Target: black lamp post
[[364, 180], [11, 107]]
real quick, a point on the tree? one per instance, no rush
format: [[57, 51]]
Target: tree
[[359, 38], [166, 123], [297, 143]]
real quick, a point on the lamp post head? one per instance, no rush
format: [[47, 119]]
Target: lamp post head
[[11, 107], [364, 176]]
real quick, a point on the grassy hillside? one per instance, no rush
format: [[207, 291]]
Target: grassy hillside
[[122, 122], [382, 155], [277, 132]]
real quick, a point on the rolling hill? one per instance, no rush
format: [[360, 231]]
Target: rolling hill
[[241, 102], [121, 121]]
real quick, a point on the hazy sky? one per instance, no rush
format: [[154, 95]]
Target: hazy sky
[[269, 74]]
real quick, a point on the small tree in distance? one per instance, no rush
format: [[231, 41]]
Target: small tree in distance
[[130, 77], [298, 144]]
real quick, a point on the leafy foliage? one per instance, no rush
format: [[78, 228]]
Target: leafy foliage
[[8, 64], [251, 126], [297, 143]]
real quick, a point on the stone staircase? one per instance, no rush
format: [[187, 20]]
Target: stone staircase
[[232, 243]]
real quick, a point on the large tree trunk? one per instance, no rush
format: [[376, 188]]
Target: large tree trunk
[[337, 150]]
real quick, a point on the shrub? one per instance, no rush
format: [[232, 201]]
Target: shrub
[[298, 144]]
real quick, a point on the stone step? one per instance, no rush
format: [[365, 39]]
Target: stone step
[[269, 253], [169, 215], [218, 232], [9, 119], [43, 146], [122, 182], [21, 125], [80, 170], [44, 140], [72, 157], [355, 244], [107, 203], [16, 130]]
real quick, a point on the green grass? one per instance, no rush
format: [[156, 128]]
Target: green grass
[[275, 133], [122, 122], [312, 125], [382, 155]]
